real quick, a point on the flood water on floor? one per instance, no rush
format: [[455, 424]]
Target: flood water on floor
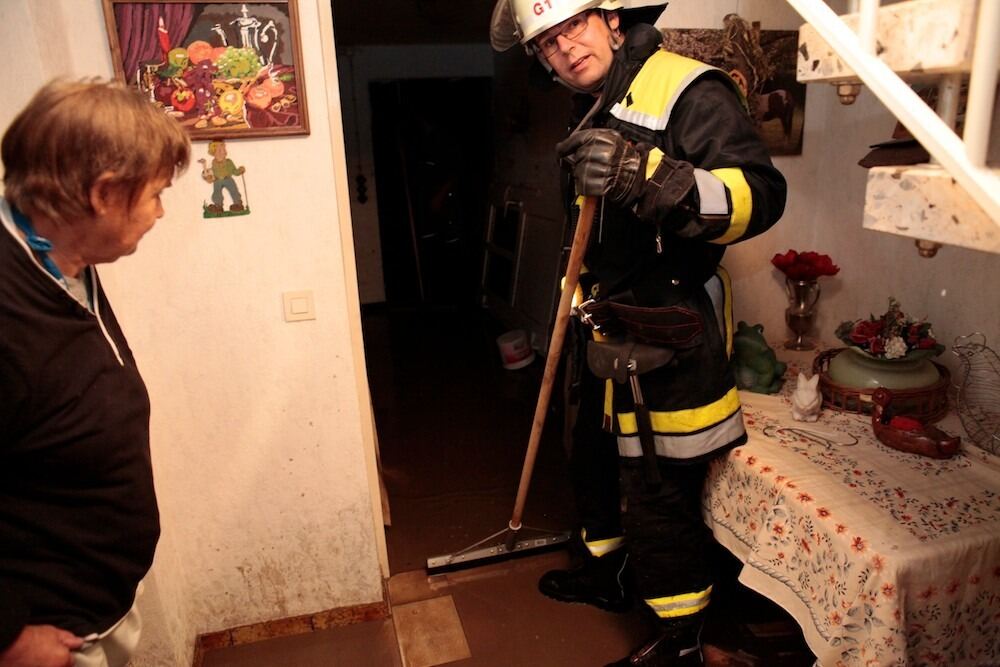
[[453, 426]]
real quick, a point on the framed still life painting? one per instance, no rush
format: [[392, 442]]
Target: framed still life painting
[[223, 69]]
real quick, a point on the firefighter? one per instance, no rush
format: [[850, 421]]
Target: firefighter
[[667, 143]]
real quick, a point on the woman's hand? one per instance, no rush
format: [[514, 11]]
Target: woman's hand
[[41, 646]]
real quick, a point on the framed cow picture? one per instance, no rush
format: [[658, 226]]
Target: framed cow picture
[[762, 63]]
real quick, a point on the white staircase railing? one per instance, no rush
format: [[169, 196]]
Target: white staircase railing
[[963, 158]]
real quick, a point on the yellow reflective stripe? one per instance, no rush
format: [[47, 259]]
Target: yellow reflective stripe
[[727, 291], [653, 92], [609, 402], [687, 445], [599, 337], [599, 548], [578, 292], [688, 420], [742, 201], [653, 161], [680, 605], [657, 83]]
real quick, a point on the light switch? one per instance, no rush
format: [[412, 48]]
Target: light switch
[[299, 306]]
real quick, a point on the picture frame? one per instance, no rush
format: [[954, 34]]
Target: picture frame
[[225, 70], [762, 63]]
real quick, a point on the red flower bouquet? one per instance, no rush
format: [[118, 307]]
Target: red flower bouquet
[[805, 265], [893, 335]]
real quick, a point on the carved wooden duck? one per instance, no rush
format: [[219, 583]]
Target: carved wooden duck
[[908, 434]]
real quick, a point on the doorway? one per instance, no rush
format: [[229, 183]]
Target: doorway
[[452, 423], [433, 146]]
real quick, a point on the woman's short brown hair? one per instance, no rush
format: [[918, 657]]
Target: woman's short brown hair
[[71, 133]]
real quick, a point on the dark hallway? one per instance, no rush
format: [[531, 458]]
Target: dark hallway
[[453, 426], [433, 168]]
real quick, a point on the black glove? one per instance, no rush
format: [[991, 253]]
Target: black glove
[[669, 195], [604, 164]]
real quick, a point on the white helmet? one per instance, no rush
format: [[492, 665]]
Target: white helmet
[[522, 20]]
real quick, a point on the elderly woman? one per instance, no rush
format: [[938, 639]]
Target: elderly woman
[[84, 166]]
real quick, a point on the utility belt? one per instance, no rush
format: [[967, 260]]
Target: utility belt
[[642, 340], [675, 327]]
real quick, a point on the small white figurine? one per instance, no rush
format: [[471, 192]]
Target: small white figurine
[[806, 400]]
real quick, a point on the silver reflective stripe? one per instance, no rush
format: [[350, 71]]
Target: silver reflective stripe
[[717, 293], [711, 193], [689, 445]]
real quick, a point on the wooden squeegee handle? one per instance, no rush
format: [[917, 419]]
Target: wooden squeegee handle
[[579, 247]]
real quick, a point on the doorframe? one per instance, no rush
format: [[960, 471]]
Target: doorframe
[[436, 61], [343, 196]]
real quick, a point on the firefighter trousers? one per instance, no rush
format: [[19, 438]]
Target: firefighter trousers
[[667, 539]]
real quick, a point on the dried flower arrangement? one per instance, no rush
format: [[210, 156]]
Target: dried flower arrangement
[[892, 335]]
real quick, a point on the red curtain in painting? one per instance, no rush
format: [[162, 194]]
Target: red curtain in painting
[[137, 31]]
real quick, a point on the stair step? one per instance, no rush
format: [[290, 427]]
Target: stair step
[[917, 39], [925, 202]]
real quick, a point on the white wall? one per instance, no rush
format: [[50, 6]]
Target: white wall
[[773, 14], [359, 66], [953, 290], [258, 432]]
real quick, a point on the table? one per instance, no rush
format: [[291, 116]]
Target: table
[[882, 557]]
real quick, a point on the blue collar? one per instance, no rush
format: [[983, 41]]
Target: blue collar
[[41, 245]]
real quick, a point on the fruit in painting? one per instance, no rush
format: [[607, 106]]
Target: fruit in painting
[[199, 51], [182, 100], [178, 57], [273, 86], [231, 101], [259, 97]]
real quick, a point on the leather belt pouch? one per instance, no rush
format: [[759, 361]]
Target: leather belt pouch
[[672, 326], [611, 360]]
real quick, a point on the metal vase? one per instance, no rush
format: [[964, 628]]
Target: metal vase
[[801, 311]]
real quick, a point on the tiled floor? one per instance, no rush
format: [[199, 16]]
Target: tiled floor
[[453, 426], [493, 616]]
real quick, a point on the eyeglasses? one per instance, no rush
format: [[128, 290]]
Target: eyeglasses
[[571, 28]]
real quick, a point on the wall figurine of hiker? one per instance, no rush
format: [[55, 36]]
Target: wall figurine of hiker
[[222, 173]]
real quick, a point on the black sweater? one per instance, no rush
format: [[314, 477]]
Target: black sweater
[[78, 515]]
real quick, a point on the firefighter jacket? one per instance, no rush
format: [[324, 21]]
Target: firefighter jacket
[[660, 255]]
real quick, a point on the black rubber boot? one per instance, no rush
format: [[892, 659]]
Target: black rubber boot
[[602, 582], [676, 643]]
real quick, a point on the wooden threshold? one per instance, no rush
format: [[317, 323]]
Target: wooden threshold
[[286, 627]]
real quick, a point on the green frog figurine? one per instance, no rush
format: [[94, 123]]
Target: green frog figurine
[[756, 366]]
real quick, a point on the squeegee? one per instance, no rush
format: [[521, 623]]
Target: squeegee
[[509, 541]]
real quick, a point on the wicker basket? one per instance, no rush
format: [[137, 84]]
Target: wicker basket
[[928, 404]]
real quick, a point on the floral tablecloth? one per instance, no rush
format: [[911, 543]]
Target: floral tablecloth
[[883, 557]]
